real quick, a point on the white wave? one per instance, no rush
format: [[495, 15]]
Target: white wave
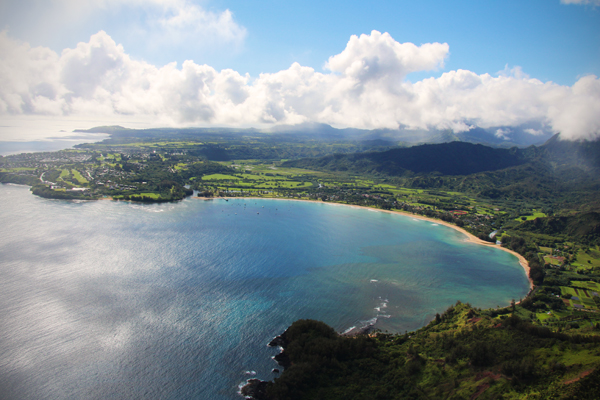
[[349, 330], [146, 208], [251, 373]]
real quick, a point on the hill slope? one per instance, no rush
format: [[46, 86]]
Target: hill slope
[[455, 158], [464, 353]]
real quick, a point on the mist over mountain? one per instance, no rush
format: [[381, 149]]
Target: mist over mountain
[[505, 137], [425, 165]]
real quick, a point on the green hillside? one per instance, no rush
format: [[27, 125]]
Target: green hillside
[[464, 353], [454, 158]]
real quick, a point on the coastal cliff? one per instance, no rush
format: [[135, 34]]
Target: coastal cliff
[[463, 353]]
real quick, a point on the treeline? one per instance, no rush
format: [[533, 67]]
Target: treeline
[[581, 226], [169, 191], [29, 180], [48, 193], [529, 251]]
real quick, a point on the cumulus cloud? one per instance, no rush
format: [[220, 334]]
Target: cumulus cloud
[[364, 87], [502, 134], [379, 57]]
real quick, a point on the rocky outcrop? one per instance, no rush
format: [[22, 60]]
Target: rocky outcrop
[[254, 389]]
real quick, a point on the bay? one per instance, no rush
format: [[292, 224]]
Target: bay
[[109, 299]]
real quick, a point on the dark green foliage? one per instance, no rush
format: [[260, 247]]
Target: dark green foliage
[[586, 388], [521, 369], [529, 251], [433, 363], [586, 225], [455, 158], [203, 168], [18, 179], [45, 191], [481, 354]]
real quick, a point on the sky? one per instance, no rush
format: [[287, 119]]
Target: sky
[[510, 66]]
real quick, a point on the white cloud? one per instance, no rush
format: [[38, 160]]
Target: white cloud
[[28, 78], [534, 132], [152, 27], [178, 22], [379, 57], [585, 2], [364, 88], [502, 134]]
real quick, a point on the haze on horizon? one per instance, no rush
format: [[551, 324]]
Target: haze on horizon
[[512, 67]]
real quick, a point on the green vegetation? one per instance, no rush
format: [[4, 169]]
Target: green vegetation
[[78, 177], [542, 202], [531, 217], [463, 353]]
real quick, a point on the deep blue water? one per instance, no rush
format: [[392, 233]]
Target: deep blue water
[[117, 300]]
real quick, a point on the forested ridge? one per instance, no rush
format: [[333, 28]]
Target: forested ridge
[[463, 353], [454, 158]]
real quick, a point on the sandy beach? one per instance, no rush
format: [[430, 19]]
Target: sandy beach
[[471, 238]]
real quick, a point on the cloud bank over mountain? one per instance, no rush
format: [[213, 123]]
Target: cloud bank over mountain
[[364, 86]]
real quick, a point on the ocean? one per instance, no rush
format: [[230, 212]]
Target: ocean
[[114, 300]]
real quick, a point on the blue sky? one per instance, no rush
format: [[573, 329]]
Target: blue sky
[[550, 41], [547, 39]]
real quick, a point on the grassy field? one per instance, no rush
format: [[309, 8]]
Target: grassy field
[[531, 216], [552, 260], [77, 176], [590, 285], [587, 259], [16, 169], [271, 180], [220, 177], [151, 195], [579, 295]]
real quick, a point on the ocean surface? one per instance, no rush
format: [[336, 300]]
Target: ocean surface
[[49, 144], [114, 300]]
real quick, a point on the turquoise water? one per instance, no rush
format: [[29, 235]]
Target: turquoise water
[[118, 300]]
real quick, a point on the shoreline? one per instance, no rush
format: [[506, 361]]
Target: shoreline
[[470, 237]]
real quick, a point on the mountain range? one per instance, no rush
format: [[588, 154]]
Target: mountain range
[[504, 137]]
